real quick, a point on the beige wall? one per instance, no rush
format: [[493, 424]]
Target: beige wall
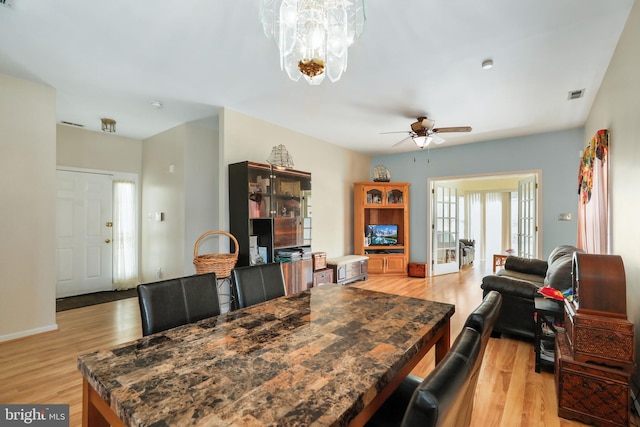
[[333, 171], [617, 108], [163, 191], [84, 149], [28, 212]]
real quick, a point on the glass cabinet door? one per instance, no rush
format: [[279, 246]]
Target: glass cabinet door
[[394, 197], [291, 199], [259, 193]]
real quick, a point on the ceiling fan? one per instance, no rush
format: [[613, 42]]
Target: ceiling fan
[[424, 133]]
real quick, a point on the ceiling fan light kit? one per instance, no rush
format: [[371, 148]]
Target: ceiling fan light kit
[[423, 132], [313, 36]]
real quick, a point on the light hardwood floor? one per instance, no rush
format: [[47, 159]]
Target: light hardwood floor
[[42, 369]]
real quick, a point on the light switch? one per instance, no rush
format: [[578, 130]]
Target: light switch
[[158, 216], [565, 216]]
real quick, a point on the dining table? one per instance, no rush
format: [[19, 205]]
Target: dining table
[[328, 356]]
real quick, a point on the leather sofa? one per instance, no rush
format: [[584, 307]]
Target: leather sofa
[[519, 282], [467, 251]]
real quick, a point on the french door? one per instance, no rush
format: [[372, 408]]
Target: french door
[[444, 228], [527, 218]]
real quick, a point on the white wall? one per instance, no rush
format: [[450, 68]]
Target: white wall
[[617, 108], [333, 171], [28, 211]]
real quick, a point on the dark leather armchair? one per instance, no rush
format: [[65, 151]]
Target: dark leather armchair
[[445, 396], [175, 302], [519, 282], [258, 283]]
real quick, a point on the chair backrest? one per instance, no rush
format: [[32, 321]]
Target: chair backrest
[[445, 397], [175, 302], [258, 283]]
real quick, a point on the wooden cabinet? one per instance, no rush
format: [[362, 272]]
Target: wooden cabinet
[[298, 275], [381, 225], [320, 277], [588, 392], [387, 263], [594, 358], [273, 208]]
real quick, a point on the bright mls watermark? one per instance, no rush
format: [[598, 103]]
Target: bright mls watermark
[[34, 415]]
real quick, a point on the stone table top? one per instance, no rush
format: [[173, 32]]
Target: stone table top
[[315, 358]]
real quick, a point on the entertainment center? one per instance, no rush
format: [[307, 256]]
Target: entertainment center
[[381, 225]]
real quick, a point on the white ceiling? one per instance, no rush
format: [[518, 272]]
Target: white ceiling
[[415, 57]]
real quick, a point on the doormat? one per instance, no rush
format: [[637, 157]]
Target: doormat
[[68, 303]]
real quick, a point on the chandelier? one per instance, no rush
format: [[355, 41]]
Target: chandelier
[[313, 35]]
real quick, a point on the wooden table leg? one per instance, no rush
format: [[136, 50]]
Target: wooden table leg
[[95, 411], [443, 344]]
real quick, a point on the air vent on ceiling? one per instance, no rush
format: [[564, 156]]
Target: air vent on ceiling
[[7, 3], [575, 94], [70, 123]]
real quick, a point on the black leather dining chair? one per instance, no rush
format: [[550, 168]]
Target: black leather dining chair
[[445, 396], [258, 283], [175, 302]]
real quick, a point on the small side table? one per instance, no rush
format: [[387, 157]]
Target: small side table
[[548, 312], [498, 261]]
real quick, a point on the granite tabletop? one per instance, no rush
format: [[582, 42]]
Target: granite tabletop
[[311, 359]]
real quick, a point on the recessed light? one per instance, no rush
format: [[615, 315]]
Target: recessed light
[[156, 104], [487, 63]]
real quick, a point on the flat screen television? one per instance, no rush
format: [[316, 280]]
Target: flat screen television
[[382, 234]]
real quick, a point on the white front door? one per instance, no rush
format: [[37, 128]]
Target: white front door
[[444, 229], [83, 218], [527, 222]]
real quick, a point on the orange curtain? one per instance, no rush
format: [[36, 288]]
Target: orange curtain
[[593, 190]]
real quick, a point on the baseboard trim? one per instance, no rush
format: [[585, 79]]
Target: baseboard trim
[[29, 332]]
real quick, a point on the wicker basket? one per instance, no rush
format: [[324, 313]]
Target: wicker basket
[[221, 264]]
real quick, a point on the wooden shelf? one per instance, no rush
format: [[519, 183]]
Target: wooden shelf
[[378, 203]]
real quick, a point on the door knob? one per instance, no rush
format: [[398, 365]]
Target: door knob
[[109, 224], [107, 240]]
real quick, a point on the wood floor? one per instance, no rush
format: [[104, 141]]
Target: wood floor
[[42, 369]]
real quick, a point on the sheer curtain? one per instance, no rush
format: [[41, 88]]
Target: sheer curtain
[[125, 253], [484, 222], [474, 221], [493, 223]]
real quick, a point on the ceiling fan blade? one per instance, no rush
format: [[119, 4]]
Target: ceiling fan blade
[[400, 131], [402, 141], [437, 139], [452, 129]]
